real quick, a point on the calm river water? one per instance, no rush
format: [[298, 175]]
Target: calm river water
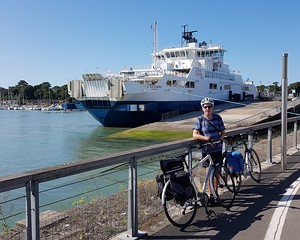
[[34, 139]]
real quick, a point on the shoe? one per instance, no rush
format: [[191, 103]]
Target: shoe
[[211, 201]]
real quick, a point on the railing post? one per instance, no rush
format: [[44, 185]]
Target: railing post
[[284, 112], [269, 147], [295, 134], [32, 211], [250, 140], [132, 227]]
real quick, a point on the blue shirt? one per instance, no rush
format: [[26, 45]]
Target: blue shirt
[[211, 130]]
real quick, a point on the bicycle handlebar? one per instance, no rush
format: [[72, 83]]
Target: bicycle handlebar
[[207, 144]]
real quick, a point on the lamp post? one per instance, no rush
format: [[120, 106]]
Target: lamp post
[[284, 112]]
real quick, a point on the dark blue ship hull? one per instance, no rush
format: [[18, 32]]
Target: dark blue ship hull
[[134, 114]]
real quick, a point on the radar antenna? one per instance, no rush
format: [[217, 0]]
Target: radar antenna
[[187, 35]]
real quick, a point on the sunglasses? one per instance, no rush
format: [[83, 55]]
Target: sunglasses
[[207, 107]]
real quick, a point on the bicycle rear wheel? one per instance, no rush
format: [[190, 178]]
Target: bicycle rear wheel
[[224, 188], [180, 213], [254, 165]]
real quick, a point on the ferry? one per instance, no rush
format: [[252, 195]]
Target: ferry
[[177, 80]]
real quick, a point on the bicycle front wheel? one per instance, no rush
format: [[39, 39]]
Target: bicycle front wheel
[[254, 166], [180, 213], [224, 187]]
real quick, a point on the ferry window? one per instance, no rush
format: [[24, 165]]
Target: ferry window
[[189, 84], [172, 54], [198, 53], [187, 53], [169, 83], [177, 54], [245, 88], [211, 53], [182, 54], [213, 86], [227, 87], [202, 54], [220, 88], [168, 55], [141, 107]]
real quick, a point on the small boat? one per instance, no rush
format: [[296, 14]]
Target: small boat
[[53, 108], [177, 80]]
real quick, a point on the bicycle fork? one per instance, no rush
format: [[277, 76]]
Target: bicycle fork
[[248, 166]]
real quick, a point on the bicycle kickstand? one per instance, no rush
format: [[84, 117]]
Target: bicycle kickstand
[[209, 213]]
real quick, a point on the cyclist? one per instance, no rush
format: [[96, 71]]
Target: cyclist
[[208, 128]]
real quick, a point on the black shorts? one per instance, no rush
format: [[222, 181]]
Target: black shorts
[[216, 157]]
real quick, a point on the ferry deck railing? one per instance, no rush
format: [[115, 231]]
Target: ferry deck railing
[[30, 180]]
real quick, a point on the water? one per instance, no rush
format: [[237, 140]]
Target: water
[[34, 139]]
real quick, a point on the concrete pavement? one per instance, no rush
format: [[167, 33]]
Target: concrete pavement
[[266, 210], [233, 114]]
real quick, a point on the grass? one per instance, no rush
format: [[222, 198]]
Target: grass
[[151, 135]]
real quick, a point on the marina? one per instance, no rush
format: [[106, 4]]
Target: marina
[[177, 80]]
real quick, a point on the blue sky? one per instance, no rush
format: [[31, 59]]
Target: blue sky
[[58, 40]]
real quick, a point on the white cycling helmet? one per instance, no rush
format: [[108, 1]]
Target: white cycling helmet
[[207, 101]]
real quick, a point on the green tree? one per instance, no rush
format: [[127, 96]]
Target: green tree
[[21, 87], [294, 86]]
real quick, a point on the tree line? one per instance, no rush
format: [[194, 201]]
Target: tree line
[[24, 93], [276, 88]]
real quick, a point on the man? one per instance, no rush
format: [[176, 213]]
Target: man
[[209, 128]]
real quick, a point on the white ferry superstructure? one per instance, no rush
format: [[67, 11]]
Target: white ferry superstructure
[[177, 81]]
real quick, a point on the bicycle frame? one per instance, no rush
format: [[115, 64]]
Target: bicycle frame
[[190, 170], [208, 173], [176, 207]]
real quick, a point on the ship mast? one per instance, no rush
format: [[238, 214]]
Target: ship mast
[[155, 45]]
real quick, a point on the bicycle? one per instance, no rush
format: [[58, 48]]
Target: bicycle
[[252, 164], [181, 212]]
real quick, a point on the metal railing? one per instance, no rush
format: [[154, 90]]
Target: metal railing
[[31, 180]]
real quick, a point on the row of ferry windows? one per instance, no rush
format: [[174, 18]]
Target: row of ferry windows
[[215, 86], [227, 87], [190, 84], [212, 74], [215, 53]]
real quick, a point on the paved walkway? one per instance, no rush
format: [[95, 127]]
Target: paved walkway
[[266, 210], [233, 114]]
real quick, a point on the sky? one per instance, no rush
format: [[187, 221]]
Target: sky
[[57, 41]]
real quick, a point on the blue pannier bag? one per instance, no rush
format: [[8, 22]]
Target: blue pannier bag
[[235, 161]]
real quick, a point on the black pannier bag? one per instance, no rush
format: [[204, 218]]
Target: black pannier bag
[[181, 186], [171, 165], [161, 181]]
